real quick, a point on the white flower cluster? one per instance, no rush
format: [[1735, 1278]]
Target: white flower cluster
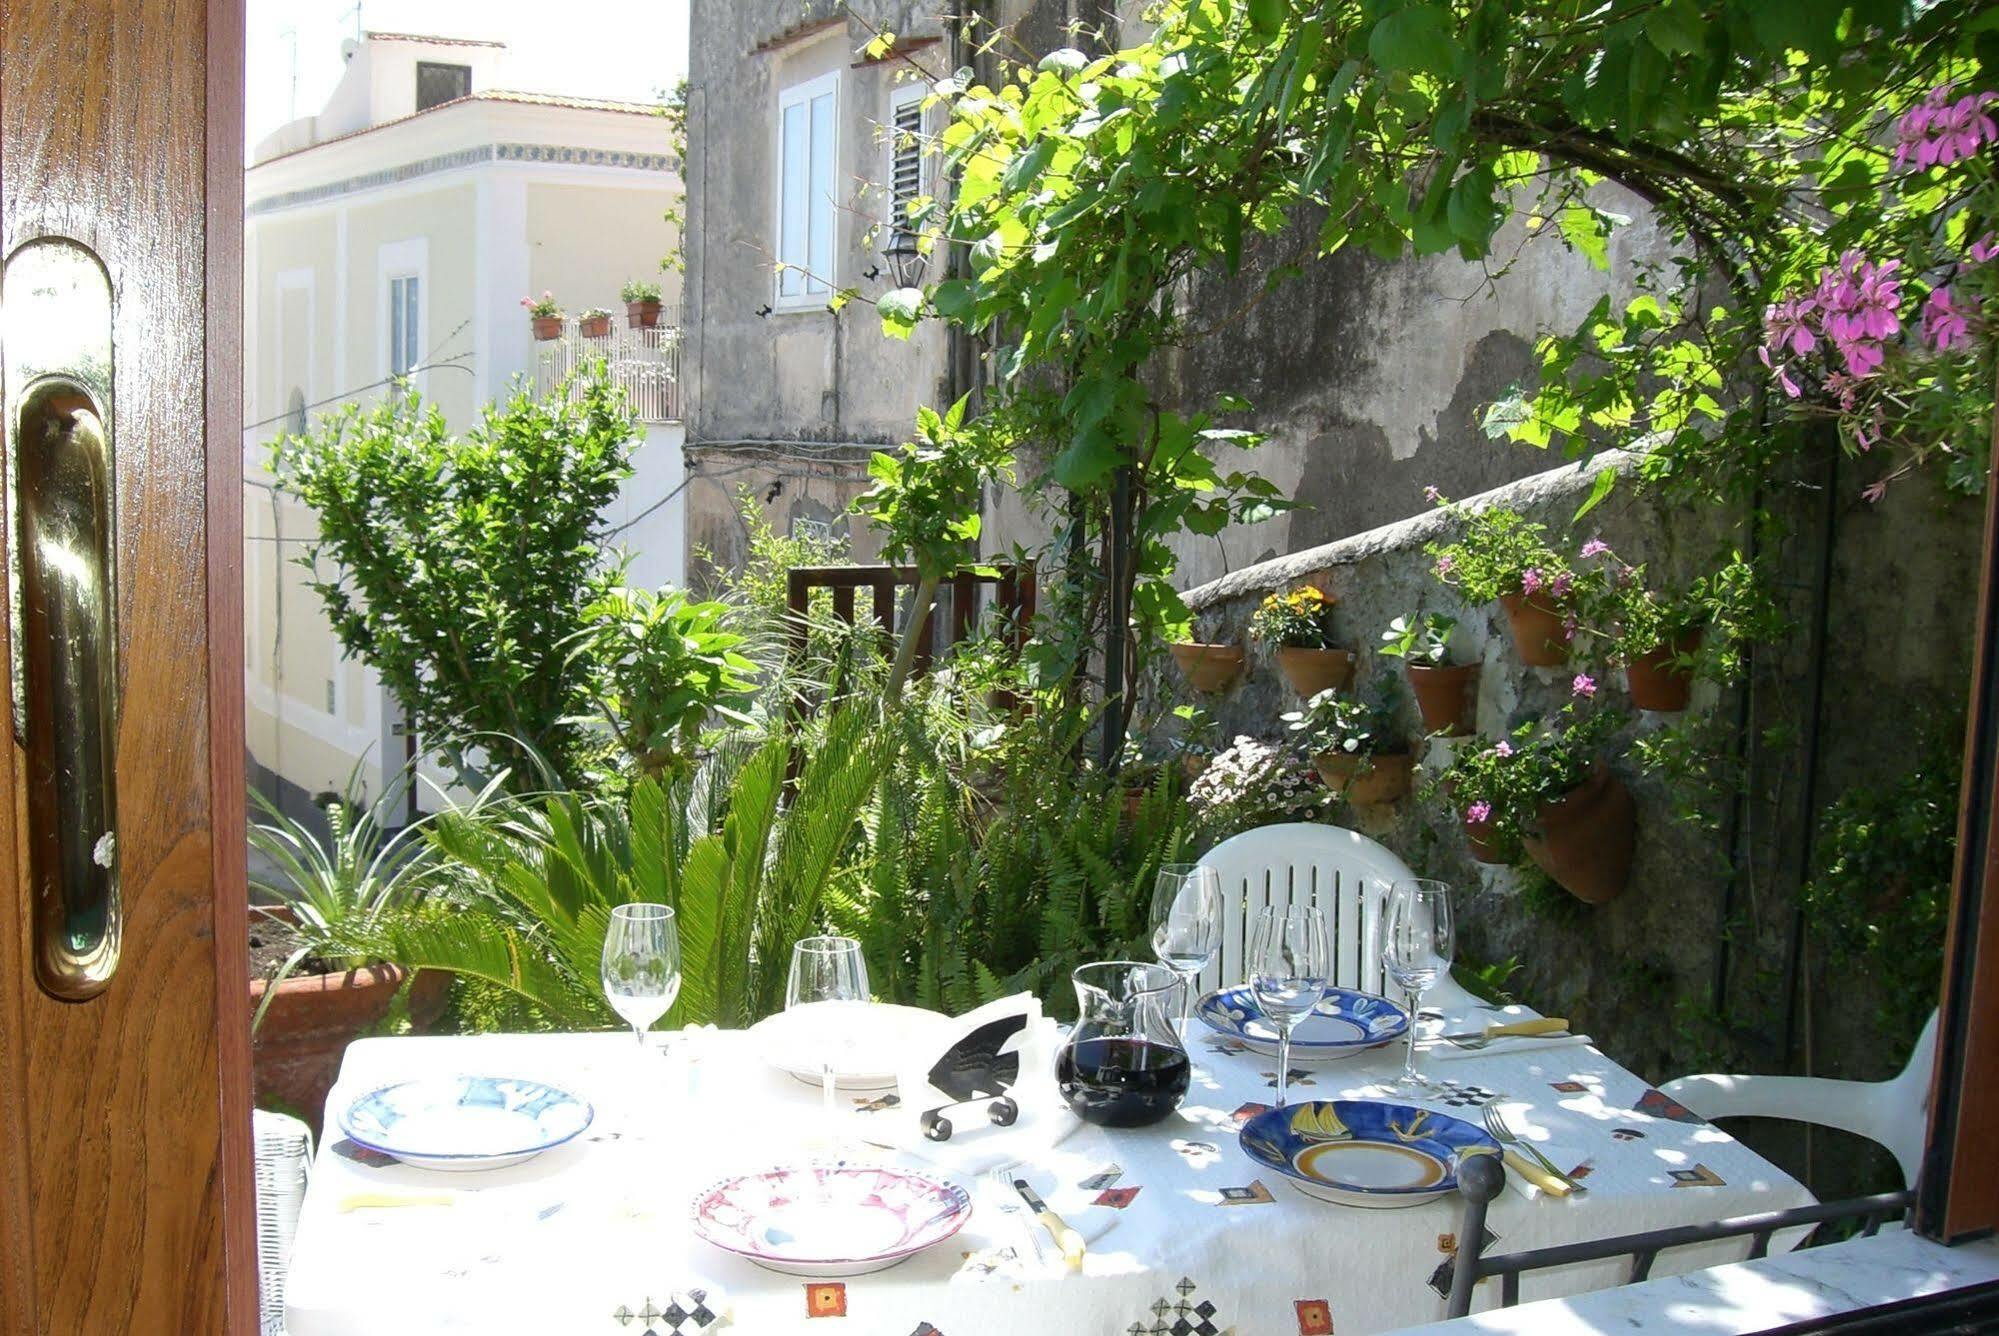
[[1253, 782]]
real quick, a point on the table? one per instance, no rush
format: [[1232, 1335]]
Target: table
[[1199, 1241]]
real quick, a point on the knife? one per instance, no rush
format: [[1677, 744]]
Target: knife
[[1547, 1026], [1551, 1184], [1066, 1238]]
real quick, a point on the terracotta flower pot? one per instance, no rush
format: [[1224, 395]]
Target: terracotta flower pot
[[298, 1047], [1367, 781], [1310, 671], [1655, 682], [641, 315], [547, 327], [1487, 845], [1586, 838], [1539, 637], [1207, 667], [595, 326], [1445, 696]]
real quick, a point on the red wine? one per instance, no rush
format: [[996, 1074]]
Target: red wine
[[1122, 1082]]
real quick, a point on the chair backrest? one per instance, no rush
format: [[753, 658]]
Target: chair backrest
[[1348, 873], [283, 1160]]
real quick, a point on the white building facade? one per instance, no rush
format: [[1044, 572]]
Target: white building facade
[[393, 235]]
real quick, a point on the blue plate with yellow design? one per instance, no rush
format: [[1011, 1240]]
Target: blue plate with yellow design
[[1344, 1024], [1364, 1152]]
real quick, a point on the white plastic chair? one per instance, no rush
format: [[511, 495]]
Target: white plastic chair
[[284, 1160], [1894, 1112], [1347, 872]]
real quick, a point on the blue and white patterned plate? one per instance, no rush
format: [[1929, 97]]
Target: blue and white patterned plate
[[1343, 1024], [1364, 1152], [465, 1122]]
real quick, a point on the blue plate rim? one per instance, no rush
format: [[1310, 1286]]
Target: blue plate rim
[[1290, 1171], [1201, 1005], [589, 1117]]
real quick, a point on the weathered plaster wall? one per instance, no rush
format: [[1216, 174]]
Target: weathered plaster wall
[[1639, 973]]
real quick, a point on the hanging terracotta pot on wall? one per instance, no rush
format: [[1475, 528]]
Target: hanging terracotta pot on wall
[[1656, 682], [1486, 846], [1207, 667], [1586, 838], [1367, 781], [1310, 671], [1446, 696], [1539, 637]]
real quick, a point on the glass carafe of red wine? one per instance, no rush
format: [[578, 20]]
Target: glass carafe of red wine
[[1123, 1065]]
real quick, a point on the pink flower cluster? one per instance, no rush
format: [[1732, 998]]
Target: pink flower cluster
[[1477, 812], [1854, 306], [1942, 129]]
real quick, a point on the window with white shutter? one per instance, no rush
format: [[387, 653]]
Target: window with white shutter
[[905, 153], [807, 213]]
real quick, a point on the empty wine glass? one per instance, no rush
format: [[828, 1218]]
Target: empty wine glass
[[1290, 968], [1186, 923], [1417, 942], [828, 971], [641, 965]]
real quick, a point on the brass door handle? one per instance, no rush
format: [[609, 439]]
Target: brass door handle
[[55, 347]]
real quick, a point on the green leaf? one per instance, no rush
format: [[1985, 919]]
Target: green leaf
[[1267, 16], [1606, 479], [1418, 39], [899, 311], [1676, 28]]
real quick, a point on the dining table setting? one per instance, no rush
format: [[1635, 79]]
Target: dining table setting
[[1274, 1155]]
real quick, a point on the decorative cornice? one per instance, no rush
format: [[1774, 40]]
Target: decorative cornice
[[560, 154]]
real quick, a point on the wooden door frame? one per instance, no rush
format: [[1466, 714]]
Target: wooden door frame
[[223, 420]]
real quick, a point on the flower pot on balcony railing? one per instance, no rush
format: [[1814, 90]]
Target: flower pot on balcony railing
[[642, 304], [547, 327], [546, 316], [594, 323]]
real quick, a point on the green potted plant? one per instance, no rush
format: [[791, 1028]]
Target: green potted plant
[[1582, 826], [1445, 691], [1355, 746], [594, 323], [1298, 623], [642, 303], [546, 314], [1502, 556], [1484, 789], [329, 893]]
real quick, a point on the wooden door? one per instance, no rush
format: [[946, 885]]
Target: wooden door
[[125, 1201]]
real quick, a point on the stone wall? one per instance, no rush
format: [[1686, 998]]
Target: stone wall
[[1640, 973]]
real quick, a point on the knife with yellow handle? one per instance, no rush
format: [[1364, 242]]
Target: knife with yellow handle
[[1535, 1174], [1065, 1236], [370, 1201], [1548, 1025]]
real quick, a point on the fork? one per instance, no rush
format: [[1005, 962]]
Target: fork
[[1503, 1133], [1001, 1177]]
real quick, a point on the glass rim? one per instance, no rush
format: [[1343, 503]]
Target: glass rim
[[825, 944], [1083, 974], [1423, 882], [643, 910]]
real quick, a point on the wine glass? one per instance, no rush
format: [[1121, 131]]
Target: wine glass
[[828, 970], [1290, 967], [1418, 941], [1186, 922], [641, 966]]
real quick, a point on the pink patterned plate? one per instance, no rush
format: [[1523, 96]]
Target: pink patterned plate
[[830, 1220]]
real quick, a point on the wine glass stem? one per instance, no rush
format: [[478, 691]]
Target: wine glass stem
[[639, 1032], [1409, 1063], [826, 1090], [1283, 1061]]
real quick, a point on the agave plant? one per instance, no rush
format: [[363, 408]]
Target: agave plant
[[745, 867], [338, 887]]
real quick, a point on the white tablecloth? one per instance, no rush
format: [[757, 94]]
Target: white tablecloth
[[1199, 1236]]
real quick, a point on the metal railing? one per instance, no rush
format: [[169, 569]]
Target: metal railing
[[644, 362], [1481, 1178]]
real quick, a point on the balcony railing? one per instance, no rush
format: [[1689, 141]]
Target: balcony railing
[[645, 362]]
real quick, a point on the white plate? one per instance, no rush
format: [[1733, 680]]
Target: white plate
[[465, 1122], [867, 1042], [830, 1220]]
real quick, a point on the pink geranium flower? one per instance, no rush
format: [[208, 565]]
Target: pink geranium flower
[[1478, 812], [1595, 547], [1984, 248], [1788, 325], [1584, 685], [1432, 495], [1445, 564], [1941, 130], [1874, 491], [1530, 580], [1943, 324], [1561, 585], [1502, 748]]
